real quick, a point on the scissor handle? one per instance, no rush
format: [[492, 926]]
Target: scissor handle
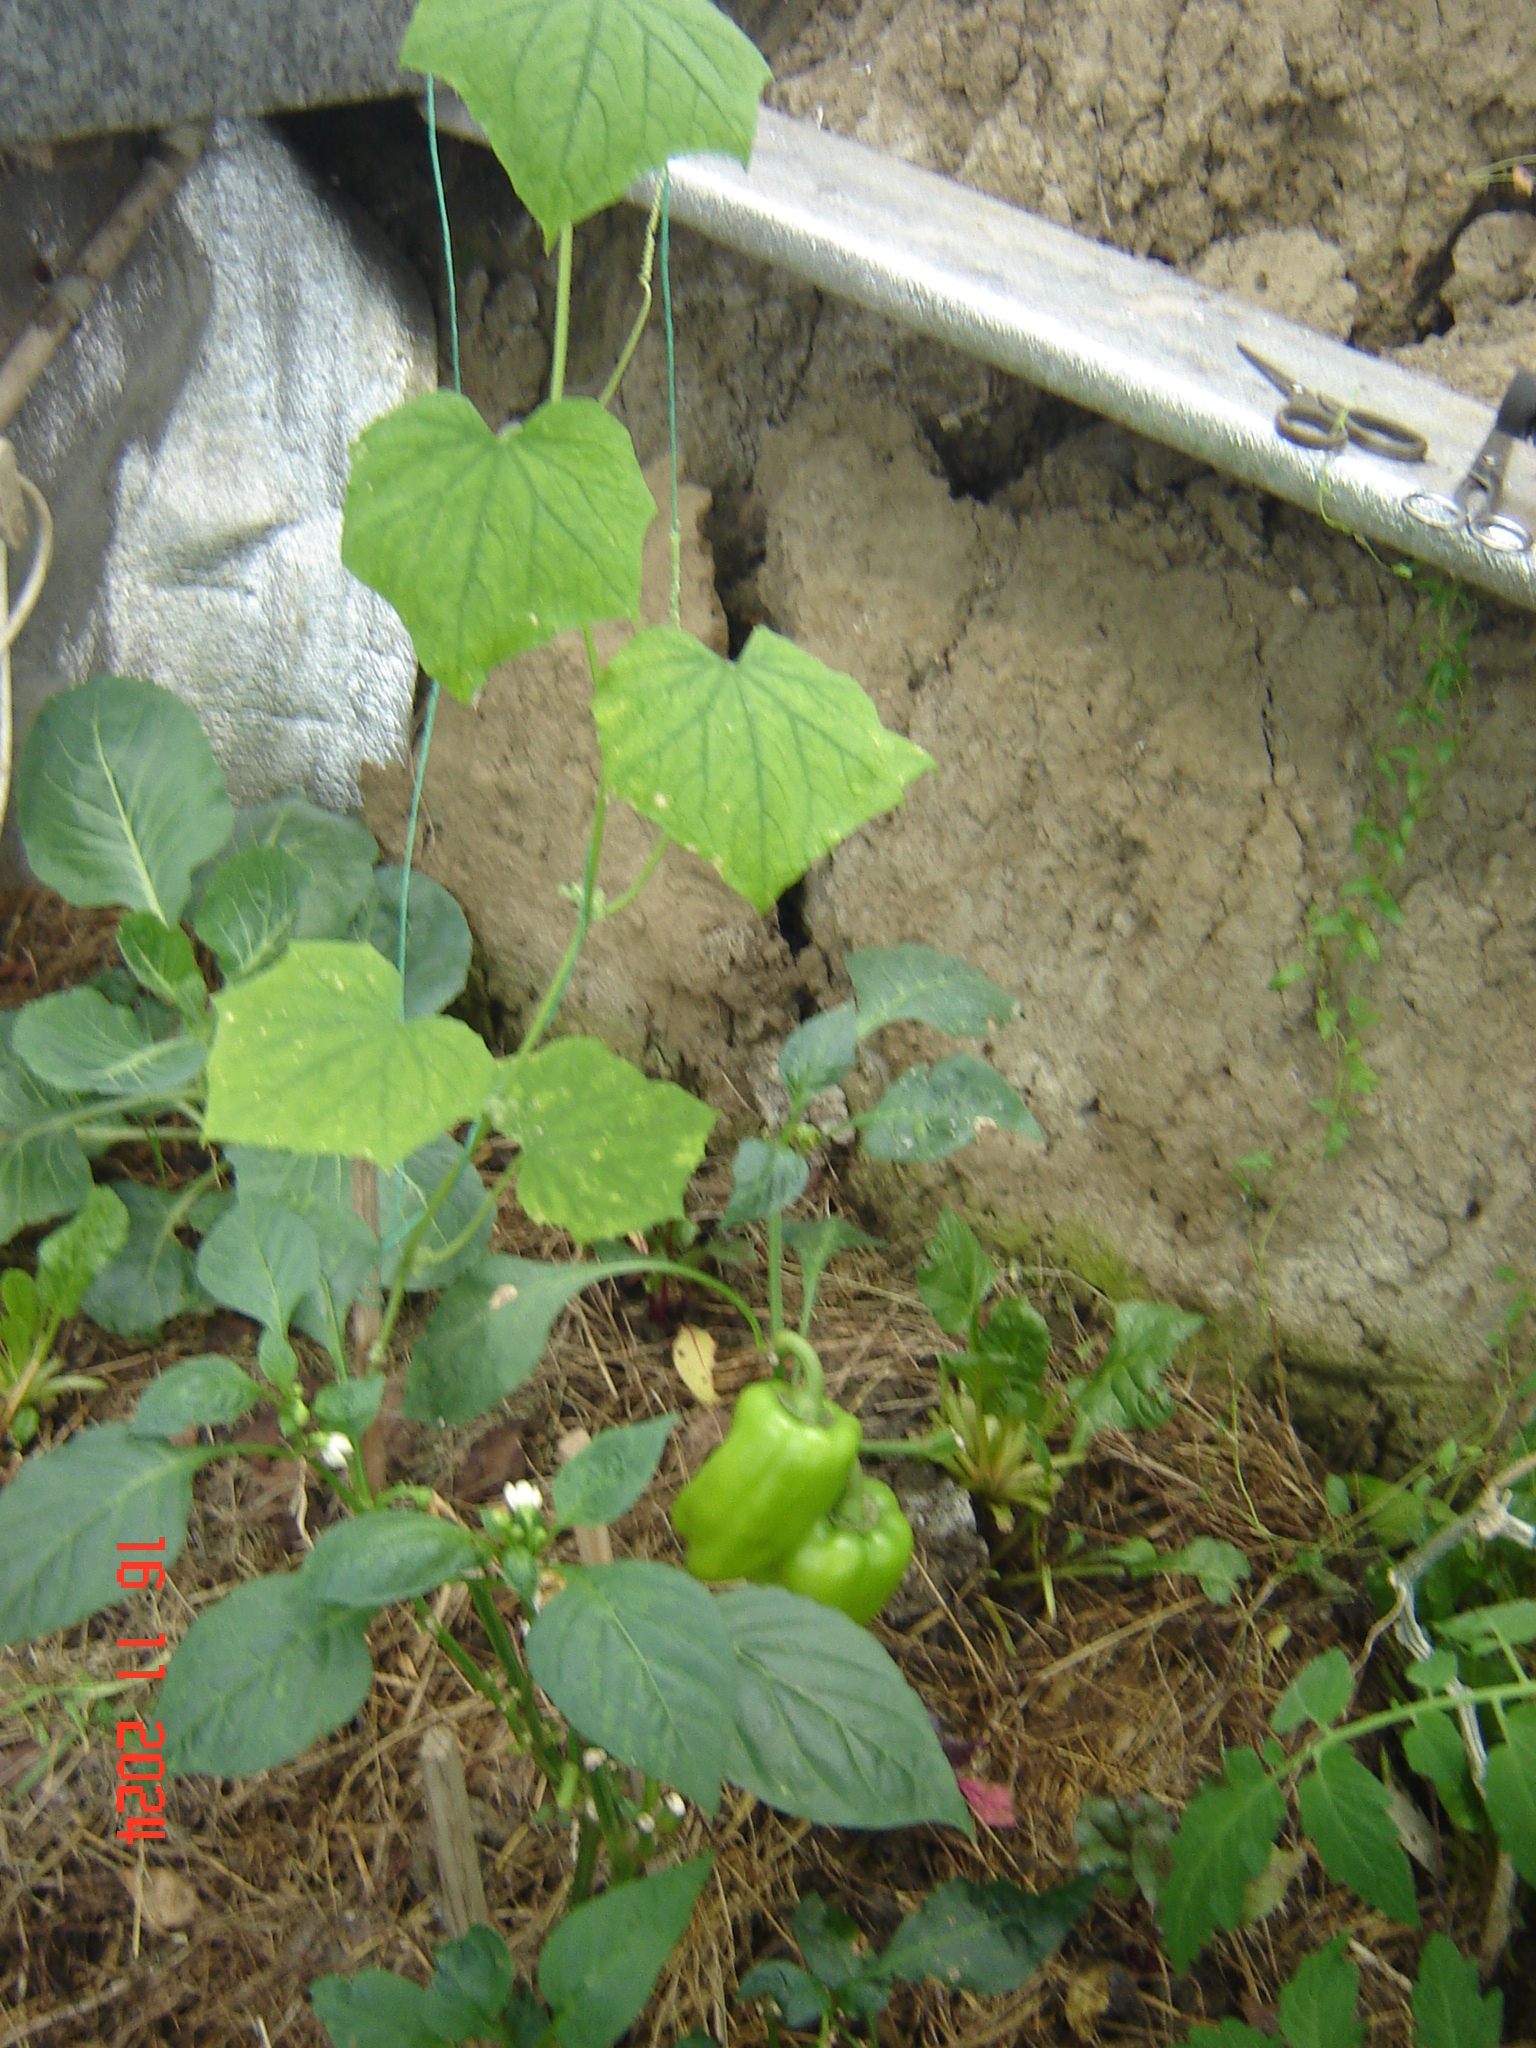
[[1381, 436], [1307, 423]]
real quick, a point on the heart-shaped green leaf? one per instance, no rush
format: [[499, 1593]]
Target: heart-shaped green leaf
[[760, 765], [818, 1053], [119, 797], [579, 97], [489, 544], [312, 1056], [605, 1151], [765, 1179], [79, 1041]]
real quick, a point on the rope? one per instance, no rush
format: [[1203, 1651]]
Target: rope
[[432, 694], [675, 607]]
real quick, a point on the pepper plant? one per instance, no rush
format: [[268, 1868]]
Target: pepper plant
[[300, 1045], [1004, 1426]]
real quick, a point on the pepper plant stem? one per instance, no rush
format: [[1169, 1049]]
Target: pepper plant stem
[[940, 1444], [380, 1344], [776, 1273]]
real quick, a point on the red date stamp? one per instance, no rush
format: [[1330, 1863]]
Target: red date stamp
[[140, 1763]]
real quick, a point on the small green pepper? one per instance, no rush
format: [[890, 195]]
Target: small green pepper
[[753, 1499], [854, 1557]]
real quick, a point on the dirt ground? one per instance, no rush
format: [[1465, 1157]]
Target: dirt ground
[[326, 1863]]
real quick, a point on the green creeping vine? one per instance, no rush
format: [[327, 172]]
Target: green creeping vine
[[340, 1118], [1342, 942]]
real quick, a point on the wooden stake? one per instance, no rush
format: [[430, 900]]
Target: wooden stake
[[593, 1546], [453, 1835]]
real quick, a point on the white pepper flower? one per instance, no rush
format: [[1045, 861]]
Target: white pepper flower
[[523, 1497], [675, 1804], [336, 1451], [646, 1823], [593, 1759]]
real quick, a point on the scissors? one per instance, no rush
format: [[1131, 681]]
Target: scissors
[[1474, 504], [1311, 420]]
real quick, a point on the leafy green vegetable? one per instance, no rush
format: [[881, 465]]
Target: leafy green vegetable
[[119, 797]]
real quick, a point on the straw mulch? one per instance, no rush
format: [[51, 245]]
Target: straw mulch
[[321, 1865]]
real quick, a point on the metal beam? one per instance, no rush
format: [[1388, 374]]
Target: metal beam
[[1128, 337]]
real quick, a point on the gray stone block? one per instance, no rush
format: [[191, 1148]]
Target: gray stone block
[[192, 439], [96, 67]]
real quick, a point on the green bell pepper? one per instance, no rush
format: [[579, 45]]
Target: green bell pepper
[[854, 1557], [753, 1499]]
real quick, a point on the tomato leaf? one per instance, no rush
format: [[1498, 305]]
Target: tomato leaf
[[1222, 1844], [1347, 1813]]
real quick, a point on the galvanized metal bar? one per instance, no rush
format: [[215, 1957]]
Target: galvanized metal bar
[[1130, 338]]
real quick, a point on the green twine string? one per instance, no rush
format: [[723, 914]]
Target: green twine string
[[432, 694], [425, 748], [676, 606]]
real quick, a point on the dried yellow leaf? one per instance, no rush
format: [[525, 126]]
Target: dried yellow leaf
[[693, 1354]]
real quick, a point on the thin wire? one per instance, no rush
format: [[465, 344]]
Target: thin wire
[[442, 221], [397, 1179], [432, 694], [676, 605]]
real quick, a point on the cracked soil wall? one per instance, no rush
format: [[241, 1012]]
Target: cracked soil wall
[[1152, 696]]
